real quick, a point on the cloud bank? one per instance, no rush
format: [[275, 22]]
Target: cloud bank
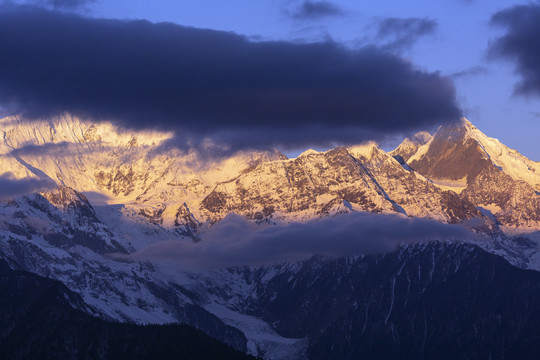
[[211, 84], [236, 241], [520, 44]]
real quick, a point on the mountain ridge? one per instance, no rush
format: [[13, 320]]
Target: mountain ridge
[[160, 186]]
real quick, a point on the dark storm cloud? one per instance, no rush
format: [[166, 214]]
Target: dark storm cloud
[[11, 187], [403, 33], [236, 241], [206, 83], [520, 44], [313, 10]]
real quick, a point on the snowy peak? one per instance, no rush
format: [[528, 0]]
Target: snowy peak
[[509, 160], [365, 151], [498, 180], [458, 151], [450, 154], [410, 146], [308, 152]]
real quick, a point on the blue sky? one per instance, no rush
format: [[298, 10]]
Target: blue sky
[[455, 45], [458, 44]]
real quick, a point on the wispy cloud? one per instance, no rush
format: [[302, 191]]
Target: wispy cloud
[[315, 10], [63, 148], [69, 5], [400, 34], [470, 72]]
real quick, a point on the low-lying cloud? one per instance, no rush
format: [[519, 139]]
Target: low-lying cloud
[[207, 84], [61, 148], [520, 44], [11, 187], [236, 241]]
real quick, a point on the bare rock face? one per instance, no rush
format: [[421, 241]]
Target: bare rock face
[[69, 200], [186, 223], [450, 155], [120, 181]]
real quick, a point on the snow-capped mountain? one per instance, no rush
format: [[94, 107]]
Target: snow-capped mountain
[[172, 189], [118, 194], [155, 181], [180, 193]]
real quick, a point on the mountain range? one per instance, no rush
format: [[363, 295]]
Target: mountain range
[[116, 212]]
